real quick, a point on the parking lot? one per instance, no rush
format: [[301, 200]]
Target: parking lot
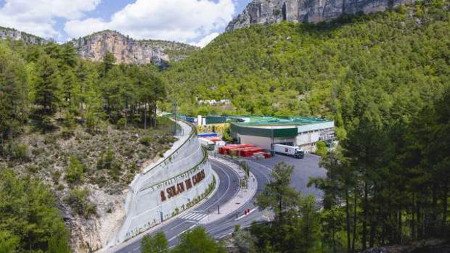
[[303, 170]]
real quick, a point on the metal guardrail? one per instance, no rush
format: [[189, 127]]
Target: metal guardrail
[[203, 161]]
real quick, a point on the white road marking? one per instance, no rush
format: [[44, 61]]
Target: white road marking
[[191, 227], [174, 227], [194, 216], [226, 190]]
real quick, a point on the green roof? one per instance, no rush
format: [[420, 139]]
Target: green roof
[[279, 121]]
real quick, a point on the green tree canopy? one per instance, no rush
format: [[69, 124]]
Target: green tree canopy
[[197, 240], [156, 243], [13, 92], [29, 218]]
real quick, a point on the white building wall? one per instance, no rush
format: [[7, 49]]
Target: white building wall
[[307, 140], [144, 204], [307, 137], [316, 126]]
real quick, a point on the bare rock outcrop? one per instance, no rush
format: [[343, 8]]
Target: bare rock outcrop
[[125, 49], [311, 11], [13, 34], [130, 51]]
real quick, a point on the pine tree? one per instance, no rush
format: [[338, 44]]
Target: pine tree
[[47, 87], [108, 63], [155, 244], [197, 240], [13, 93], [151, 90], [69, 87]]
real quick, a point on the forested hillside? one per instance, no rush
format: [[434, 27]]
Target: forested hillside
[[73, 134], [300, 69], [385, 79]]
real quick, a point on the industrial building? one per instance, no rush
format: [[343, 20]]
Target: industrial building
[[296, 131]]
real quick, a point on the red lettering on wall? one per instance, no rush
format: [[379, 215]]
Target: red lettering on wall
[[188, 183], [198, 177], [180, 187], [174, 190]]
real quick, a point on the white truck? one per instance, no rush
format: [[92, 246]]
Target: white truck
[[209, 145], [293, 151]]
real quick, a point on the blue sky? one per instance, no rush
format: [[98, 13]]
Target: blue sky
[[190, 21]]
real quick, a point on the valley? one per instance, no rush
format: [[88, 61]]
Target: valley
[[110, 143]]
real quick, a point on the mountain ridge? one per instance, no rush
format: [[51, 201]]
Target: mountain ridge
[[126, 49], [313, 11], [130, 51], [11, 33]]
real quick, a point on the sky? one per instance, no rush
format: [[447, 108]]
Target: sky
[[196, 22]]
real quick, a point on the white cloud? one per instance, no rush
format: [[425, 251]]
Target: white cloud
[[39, 16], [188, 21], [207, 39]]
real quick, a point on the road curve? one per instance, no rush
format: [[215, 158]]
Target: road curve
[[228, 187]]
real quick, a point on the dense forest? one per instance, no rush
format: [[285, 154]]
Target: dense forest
[[384, 79], [69, 126], [387, 183], [400, 57]]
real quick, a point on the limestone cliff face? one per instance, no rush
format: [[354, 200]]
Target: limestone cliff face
[[312, 11], [8, 33], [127, 50]]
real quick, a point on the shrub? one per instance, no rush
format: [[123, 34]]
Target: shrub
[[33, 169], [67, 133], [78, 201], [109, 162], [100, 181], [16, 151], [166, 139], [69, 120], [56, 175], [121, 123], [106, 160], [321, 148], [146, 140], [45, 124], [75, 170], [92, 123]]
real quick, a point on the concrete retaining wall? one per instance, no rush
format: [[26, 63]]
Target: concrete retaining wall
[[180, 180]]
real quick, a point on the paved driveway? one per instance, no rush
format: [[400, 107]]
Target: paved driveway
[[303, 170]]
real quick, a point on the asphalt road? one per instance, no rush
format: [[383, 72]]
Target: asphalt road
[[304, 169], [228, 187]]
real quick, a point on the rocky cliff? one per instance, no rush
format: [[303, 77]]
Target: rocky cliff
[[130, 51], [8, 33], [312, 11], [175, 50]]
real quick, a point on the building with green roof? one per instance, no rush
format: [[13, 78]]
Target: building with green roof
[[297, 131]]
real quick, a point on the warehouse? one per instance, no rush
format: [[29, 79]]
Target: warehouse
[[297, 131]]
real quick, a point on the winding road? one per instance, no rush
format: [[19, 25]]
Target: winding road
[[228, 187]]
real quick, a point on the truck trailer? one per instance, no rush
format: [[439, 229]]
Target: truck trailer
[[209, 145], [293, 151]]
